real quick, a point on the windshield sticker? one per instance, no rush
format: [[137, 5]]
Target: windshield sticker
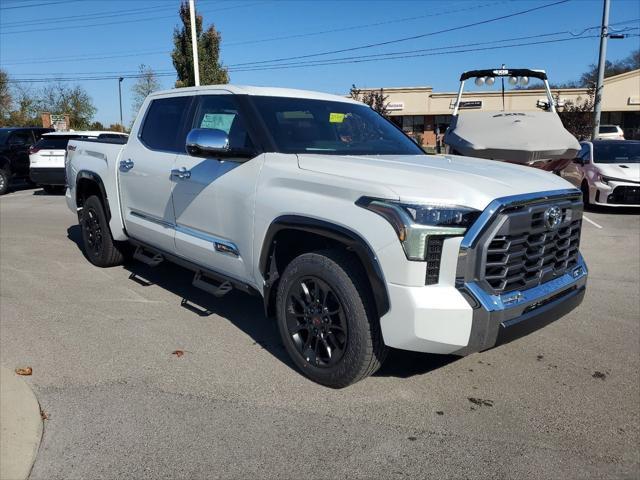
[[336, 117], [219, 121]]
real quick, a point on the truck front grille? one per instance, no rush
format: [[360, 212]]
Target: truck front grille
[[525, 251]]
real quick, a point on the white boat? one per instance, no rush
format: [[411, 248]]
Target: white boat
[[535, 138]]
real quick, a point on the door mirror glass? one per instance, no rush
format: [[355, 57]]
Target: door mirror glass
[[206, 142]]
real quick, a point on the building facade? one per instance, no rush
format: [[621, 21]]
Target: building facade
[[422, 113]]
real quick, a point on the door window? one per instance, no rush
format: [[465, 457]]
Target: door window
[[221, 112], [165, 125], [21, 138]]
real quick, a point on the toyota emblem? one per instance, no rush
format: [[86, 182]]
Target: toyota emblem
[[553, 217]]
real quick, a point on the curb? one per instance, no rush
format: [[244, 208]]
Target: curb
[[20, 426]]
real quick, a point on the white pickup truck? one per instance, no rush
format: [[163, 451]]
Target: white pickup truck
[[355, 239]]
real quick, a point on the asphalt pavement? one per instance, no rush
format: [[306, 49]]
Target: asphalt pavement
[[563, 402]]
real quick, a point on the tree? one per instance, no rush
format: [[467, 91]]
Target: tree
[[147, 82], [96, 126], [6, 100], [577, 117], [25, 111], [211, 70], [60, 98], [375, 99]]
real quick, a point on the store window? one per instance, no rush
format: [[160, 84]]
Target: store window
[[413, 124]]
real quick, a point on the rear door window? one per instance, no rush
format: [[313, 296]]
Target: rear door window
[[165, 125], [21, 138]]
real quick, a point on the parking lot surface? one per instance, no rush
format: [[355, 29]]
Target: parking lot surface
[[563, 402]]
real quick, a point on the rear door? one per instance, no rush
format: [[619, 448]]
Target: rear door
[[214, 206], [144, 170]]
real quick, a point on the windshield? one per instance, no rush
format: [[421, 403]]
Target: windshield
[[616, 152], [301, 125]]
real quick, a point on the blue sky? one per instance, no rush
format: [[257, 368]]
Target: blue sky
[[40, 39]]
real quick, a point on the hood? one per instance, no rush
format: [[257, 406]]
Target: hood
[[623, 171], [448, 179]]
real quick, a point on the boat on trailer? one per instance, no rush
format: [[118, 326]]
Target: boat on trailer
[[534, 138]]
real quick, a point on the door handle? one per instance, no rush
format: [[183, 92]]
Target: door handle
[[181, 173], [126, 165]]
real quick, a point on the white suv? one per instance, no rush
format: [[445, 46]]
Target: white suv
[[354, 238], [610, 132]]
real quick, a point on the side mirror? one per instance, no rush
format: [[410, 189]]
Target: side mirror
[[207, 142]]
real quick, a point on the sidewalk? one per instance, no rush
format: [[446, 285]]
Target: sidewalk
[[20, 426]]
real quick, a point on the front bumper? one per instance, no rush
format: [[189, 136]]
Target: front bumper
[[615, 194], [457, 316], [47, 176]]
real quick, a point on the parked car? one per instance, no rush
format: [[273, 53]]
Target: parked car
[[610, 132], [354, 238], [46, 157], [14, 153], [607, 172]]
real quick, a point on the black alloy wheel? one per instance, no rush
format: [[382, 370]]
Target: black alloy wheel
[[316, 322], [93, 231]]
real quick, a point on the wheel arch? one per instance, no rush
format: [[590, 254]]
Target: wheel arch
[[307, 234], [89, 183]]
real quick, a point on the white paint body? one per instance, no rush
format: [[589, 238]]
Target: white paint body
[[237, 202], [590, 173]]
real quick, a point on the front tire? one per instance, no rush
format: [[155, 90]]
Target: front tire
[[98, 244], [326, 319]]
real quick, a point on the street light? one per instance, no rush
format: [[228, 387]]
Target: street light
[[120, 98]]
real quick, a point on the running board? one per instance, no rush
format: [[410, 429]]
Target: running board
[[208, 284], [148, 257]]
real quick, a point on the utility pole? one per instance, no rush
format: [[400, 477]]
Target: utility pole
[[120, 97], [194, 42], [604, 35]]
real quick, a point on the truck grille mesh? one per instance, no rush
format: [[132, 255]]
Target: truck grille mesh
[[525, 252]]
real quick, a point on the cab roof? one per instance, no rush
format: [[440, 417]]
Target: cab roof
[[258, 91]]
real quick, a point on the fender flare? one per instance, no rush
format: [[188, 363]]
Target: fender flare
[[94, 177], [322, 228], [5, 164]]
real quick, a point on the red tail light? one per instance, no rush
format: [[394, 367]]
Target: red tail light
[[33, 150]]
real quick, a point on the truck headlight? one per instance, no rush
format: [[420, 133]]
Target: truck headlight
[[415, 224]]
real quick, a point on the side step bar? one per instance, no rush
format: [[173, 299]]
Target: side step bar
[[211, 285], [153, 259], [213, 282]]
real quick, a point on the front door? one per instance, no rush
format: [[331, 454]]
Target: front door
[[214, 204], [144, 171]]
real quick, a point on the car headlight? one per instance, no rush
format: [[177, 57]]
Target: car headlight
[[415, 224]]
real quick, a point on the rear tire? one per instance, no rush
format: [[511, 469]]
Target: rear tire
[[326, 319], [5, 178], [98, 244]]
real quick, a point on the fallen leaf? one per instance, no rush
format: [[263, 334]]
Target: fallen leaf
[[178, 353], [44, 415], [24, 371]]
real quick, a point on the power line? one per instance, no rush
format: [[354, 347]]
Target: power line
[[379, 57], [136, 20], [283, 67], [39, 4], [360, 26], [406, 52]]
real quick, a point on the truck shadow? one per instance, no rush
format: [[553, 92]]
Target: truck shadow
[[247, 313]]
